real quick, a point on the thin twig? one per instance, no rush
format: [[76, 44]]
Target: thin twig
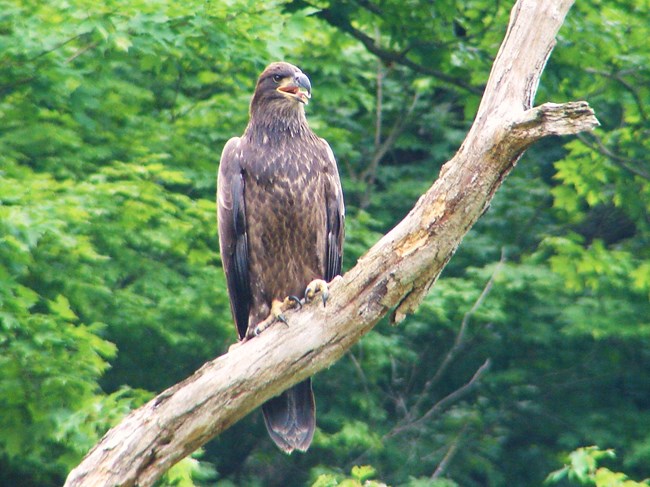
[[380, 99], [443, 403], [398, 399], [370, 174], [177, 89], [451, 453], [456, 395], [359, 369], [618, 77], [389, 56], [82, 51], [460, 337], [46, 51], [620, 161]]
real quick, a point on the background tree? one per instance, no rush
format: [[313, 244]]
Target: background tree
[[113, 117]]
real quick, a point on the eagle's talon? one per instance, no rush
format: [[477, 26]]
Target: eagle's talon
[[252, 333], [297, 301], [277, 314], [314, 287]]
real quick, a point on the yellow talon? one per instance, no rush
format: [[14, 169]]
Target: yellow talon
[[277, 314], [314, 287]]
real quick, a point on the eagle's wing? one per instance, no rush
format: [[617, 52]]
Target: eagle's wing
[[233, 238], [335, 218]]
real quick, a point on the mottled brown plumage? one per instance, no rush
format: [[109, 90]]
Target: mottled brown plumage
[[281, 216]]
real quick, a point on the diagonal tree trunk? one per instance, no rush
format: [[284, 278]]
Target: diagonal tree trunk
[[394, 275]]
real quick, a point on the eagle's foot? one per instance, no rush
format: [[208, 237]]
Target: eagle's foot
[[277, 313], [314, 287]]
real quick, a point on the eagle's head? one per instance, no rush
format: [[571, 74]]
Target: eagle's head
[[282, 86]]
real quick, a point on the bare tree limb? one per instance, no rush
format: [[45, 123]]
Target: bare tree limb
[[618, 76], [369, 175], [390, 56], [82, 51], [395, 273], [359, 369], [379, 109], [459, 342], [442, 404], [411, 415], [622, 162], [449, 456]]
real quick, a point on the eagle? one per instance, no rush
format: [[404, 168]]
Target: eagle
[[281, 226]]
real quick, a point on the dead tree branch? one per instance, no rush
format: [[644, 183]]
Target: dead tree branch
[[411, 424], [394, 275], [451, 453], [459, 342]]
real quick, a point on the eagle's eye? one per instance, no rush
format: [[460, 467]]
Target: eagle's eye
[[277, 78]]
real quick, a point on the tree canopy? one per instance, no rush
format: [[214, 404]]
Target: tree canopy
[[113, 118]]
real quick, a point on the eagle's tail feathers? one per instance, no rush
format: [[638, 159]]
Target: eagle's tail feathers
[[291, 417]]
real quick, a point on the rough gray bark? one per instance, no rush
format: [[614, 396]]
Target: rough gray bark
[[394, 275]]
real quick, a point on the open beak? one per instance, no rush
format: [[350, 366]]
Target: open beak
[[299, 87]]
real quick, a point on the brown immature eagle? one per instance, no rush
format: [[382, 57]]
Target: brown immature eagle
[[281, 215]]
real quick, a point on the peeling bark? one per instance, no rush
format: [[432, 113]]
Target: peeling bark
[[394, 275]]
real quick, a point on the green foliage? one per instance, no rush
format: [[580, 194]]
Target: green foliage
[[188, 471], [113, 117], [360, 476], [583, 469]]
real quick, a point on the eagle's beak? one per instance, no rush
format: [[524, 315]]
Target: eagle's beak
[[303, 82], [299, 87]]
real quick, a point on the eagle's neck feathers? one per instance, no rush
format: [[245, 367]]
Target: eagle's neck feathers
[[277, 121]]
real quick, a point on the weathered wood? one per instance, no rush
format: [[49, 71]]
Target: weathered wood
[[394, 275]]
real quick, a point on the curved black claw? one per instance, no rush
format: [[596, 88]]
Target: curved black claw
[[277, 313], [283, 319], [315, 287], [297, 301], [325, 294]]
